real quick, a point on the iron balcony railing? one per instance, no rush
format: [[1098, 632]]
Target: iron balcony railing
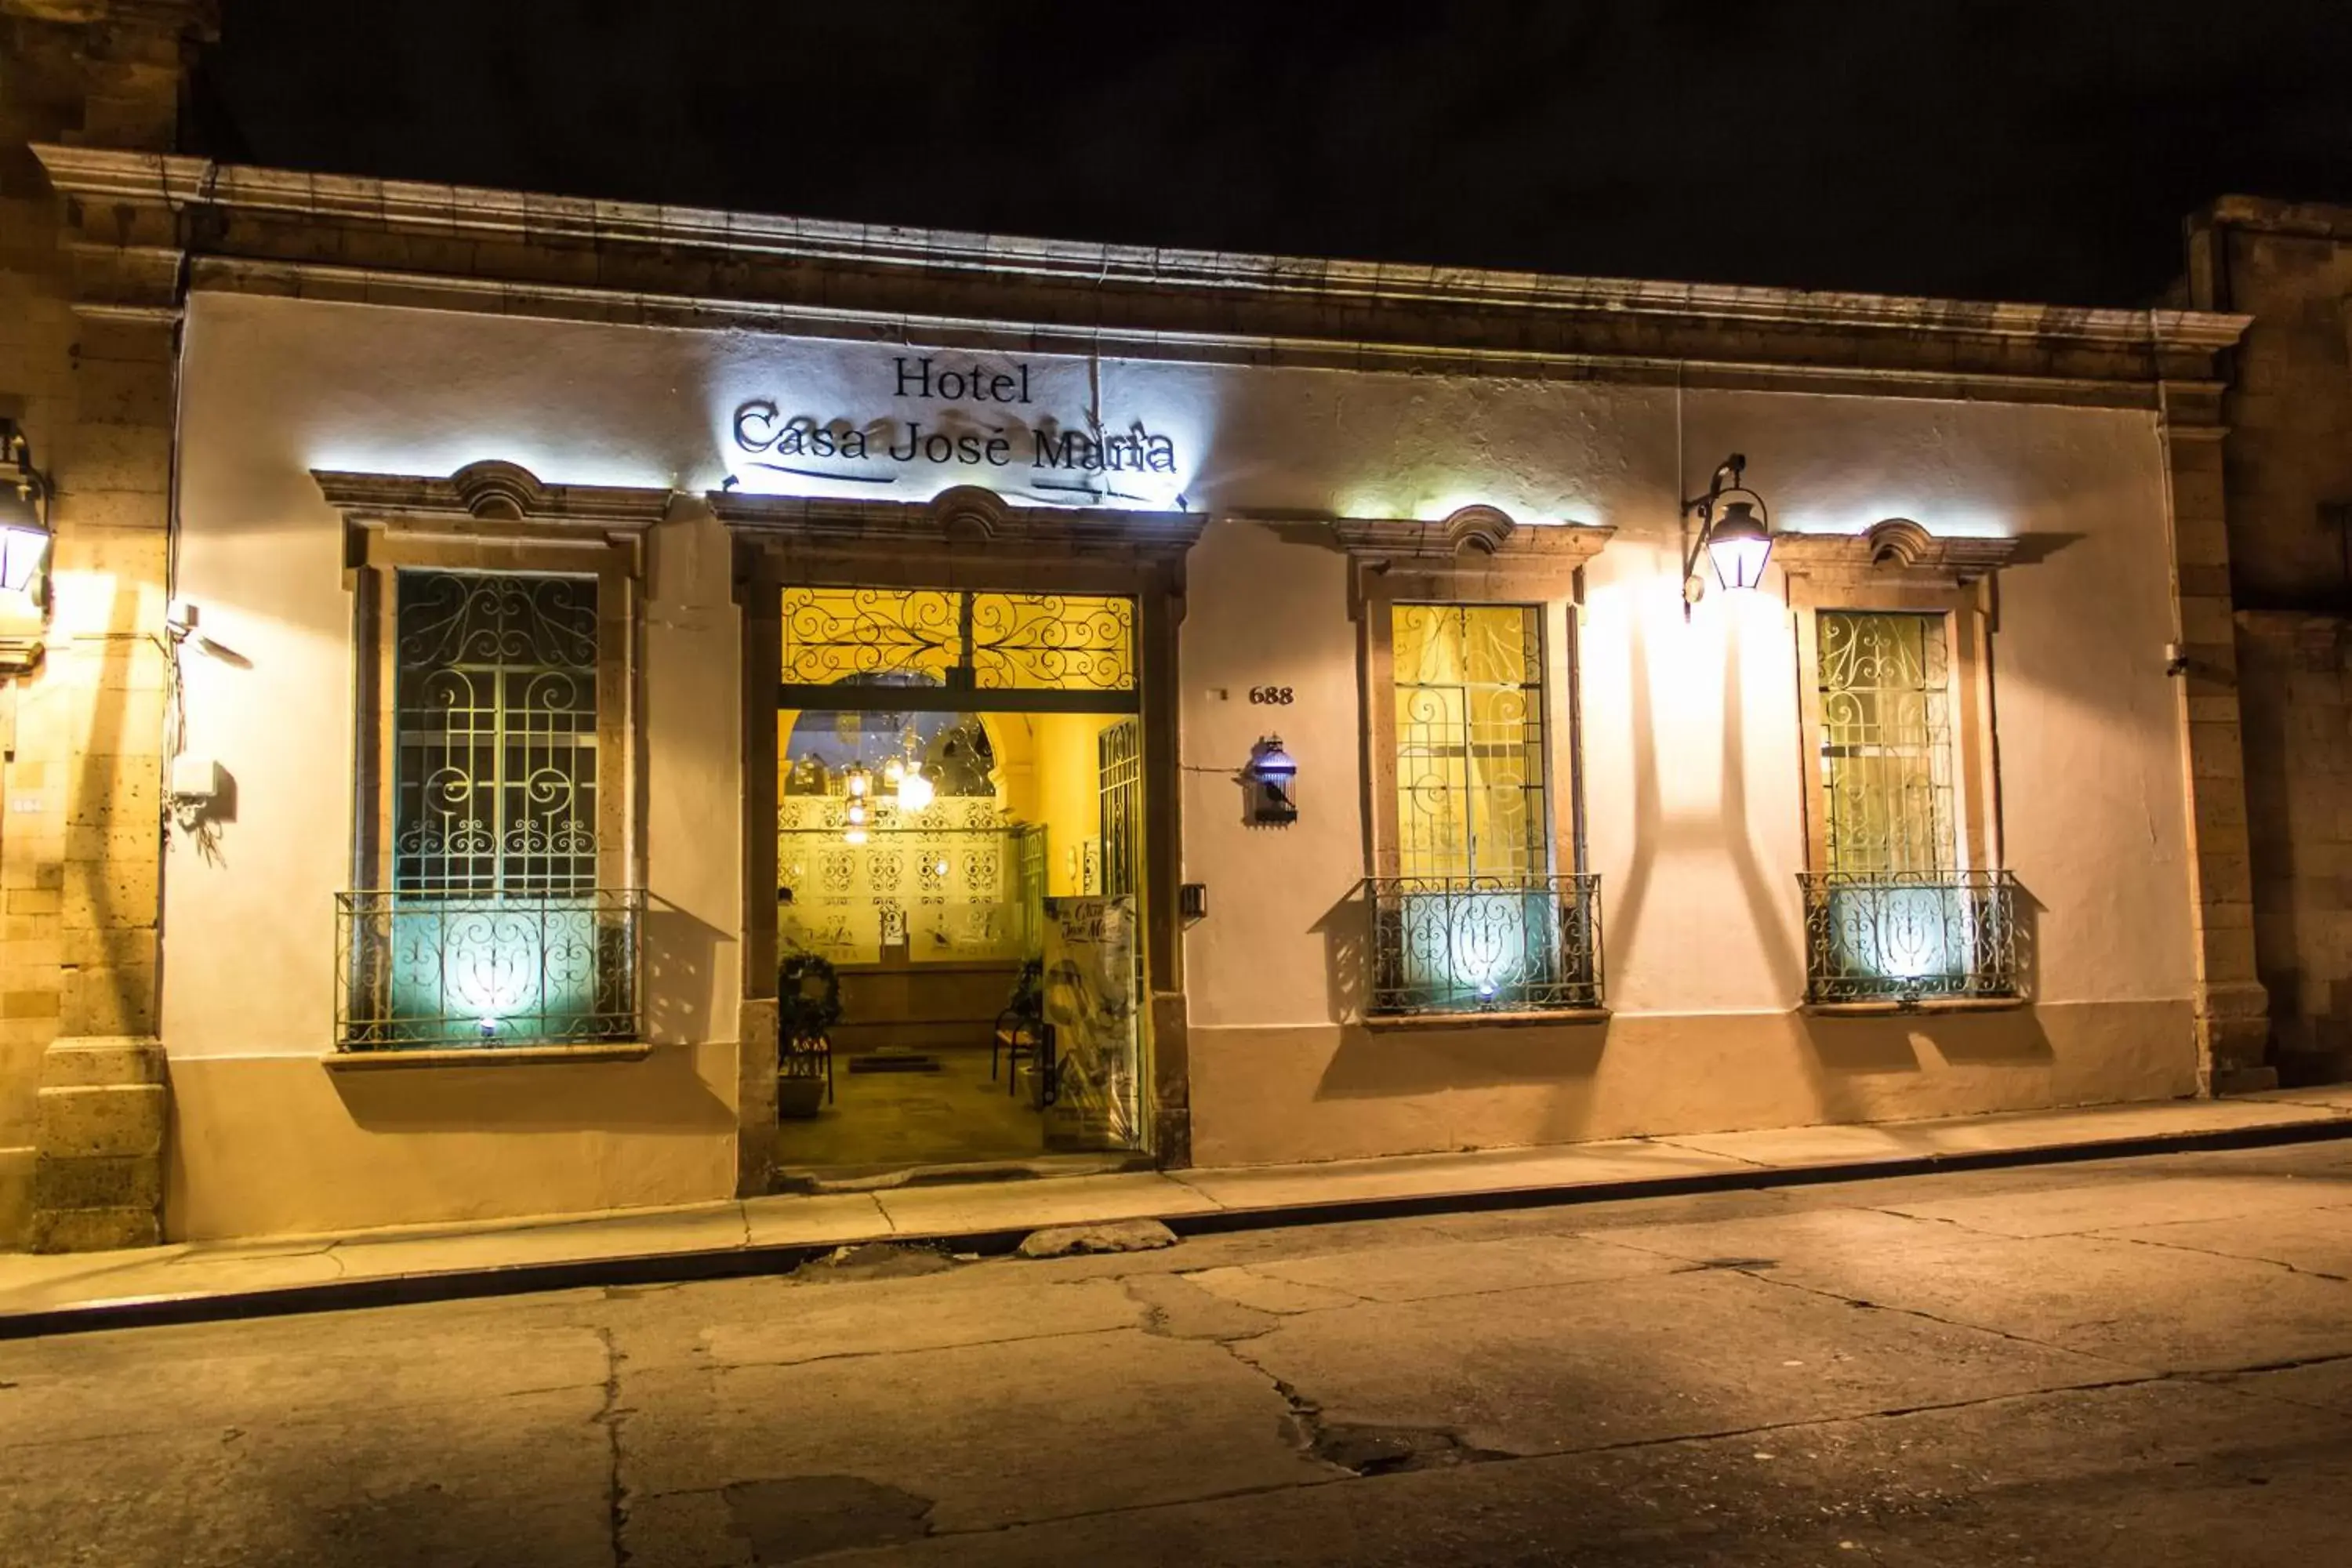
[[1910, 936], [1484, 944], [417, 971]]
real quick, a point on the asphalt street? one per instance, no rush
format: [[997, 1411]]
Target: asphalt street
[[2145, 1362]]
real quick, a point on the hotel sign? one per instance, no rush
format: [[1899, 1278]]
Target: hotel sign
[[957, 414]]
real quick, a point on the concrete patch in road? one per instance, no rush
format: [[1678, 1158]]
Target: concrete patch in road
[[518, 1480], [807, 1516], [996, 1434], [887, 1318], [2159, 1473], [1177, 1308], [1434, 1269], [1265, 1292], [2145, 1308], [2131, 1200], [2313, 1241], [1587, 1365], [216, 1376], [2322, 1385]]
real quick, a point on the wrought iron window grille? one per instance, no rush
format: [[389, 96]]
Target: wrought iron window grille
[[488, 971], [493, 931], [1911, 937], [1518, 942]]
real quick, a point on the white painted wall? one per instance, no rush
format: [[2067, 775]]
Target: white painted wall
[[2090, 764]]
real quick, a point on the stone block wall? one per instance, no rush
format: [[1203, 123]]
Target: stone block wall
[[2288, 481], [90, 375], [2295, 671]]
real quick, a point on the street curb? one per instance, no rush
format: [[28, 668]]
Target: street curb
[[741, 1262]]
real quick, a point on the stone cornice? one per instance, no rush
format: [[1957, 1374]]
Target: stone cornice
[[1480, 537], [496, 501], [469, 248], [201, 17], [2314, 220], [962, 519], [1895, 552], [453, 210]]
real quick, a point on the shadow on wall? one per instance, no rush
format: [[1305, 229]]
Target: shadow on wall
[[1377, 1064], [1346, 929], [681, 956], [661, 1093], [1839, 1048], [1918, 1042], [1724, 832], [1412, 1060]]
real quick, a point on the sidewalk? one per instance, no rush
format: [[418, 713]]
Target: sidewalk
[[207, 1280]]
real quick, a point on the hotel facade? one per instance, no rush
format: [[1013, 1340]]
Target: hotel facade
[[646, 704]]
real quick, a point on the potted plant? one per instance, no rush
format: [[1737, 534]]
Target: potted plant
[[808, 1004]]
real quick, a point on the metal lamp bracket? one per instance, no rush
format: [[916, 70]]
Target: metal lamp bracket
[[1707, 508]]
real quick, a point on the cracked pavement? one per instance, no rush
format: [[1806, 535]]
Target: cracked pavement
[[2144, 1359]]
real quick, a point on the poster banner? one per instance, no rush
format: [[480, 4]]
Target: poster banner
[[1091, 971]]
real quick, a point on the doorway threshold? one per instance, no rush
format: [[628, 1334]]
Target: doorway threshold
[[887, 1178]]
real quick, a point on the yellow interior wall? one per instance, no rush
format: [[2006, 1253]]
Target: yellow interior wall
[[1047, 772], [1069, 792]]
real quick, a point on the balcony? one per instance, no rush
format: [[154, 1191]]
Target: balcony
[[1910, 938], [417, 971], [1484, 944]]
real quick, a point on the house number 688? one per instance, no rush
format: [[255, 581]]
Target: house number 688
[[1271, 695]]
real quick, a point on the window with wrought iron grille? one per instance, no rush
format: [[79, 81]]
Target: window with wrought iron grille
[[496, 919], [1471, 911], [494, 778], [1896, 910]]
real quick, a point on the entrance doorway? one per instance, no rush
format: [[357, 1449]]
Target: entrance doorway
[[960, 909]]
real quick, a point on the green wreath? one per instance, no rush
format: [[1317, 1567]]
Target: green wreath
[[808, 999]]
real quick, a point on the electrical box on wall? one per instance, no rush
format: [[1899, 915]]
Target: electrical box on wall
[[196, 779]]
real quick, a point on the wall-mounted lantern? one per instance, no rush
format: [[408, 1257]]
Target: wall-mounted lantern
[[24, 551], [1735, 531], [1272, 776]]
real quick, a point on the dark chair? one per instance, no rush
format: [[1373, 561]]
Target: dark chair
[[1018, 1033]]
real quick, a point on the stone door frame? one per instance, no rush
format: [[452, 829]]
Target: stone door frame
[[964, 538]]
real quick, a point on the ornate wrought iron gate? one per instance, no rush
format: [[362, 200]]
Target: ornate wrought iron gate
[[1119, 754]]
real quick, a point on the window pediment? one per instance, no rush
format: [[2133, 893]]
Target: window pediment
[[1896, 552], [493, 500], [1476, 539]]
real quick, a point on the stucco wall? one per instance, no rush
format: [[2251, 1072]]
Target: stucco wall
[[274, 390], [1692, 763], [1693, 768]]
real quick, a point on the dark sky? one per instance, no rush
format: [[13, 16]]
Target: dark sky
[[1986, 149]]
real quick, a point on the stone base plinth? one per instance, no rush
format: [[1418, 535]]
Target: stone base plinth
[[98, 1165]]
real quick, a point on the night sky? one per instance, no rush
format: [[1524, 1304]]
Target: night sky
[[1989, 149]]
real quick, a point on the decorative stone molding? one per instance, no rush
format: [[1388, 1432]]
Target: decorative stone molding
[[1474, 544], [1475, 538], [1895, 552], [463, 248], [962, 520], [494, 499]]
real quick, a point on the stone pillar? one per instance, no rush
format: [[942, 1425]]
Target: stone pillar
[[2232, 1009], [99, 716], [96, 306]]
